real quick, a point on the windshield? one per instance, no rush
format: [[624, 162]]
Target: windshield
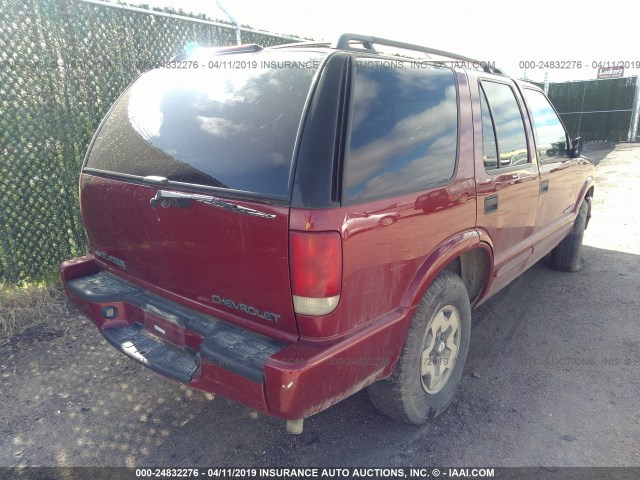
[[230, 123]]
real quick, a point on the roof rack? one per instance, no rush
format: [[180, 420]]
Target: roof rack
[[302, 44], [344, 43]]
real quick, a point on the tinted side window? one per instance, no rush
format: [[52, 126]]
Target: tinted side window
[[490, 149], [510, 133], [551, 139], [403, 131]]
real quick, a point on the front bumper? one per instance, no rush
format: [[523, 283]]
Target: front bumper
[[291, 381]]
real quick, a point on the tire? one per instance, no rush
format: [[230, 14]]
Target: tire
[[407, 395], [566, 257], [386, 221]]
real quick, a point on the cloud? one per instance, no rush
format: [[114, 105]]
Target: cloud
[[432, 130], [219, 127]]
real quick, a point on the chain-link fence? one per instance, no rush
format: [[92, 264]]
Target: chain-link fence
[[598, 110], [62, 64]]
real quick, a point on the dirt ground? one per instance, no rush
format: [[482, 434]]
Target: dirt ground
[[552, 379]]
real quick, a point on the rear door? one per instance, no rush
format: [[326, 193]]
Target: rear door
[[507, 179], [186, 187]]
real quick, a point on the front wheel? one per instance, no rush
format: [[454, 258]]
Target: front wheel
[[432, 360]]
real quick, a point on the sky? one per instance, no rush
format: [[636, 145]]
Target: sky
[[505, 32]]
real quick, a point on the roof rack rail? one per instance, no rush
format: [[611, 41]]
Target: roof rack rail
[[344, 43], [302, 44]]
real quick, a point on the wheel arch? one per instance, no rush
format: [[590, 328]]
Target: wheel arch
[[589, 196], [467, 255], [586, 192]]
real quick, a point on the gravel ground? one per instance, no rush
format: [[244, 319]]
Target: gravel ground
[[552, 379]]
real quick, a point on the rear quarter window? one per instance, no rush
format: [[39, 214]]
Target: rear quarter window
[[216, 127], [404, 130]]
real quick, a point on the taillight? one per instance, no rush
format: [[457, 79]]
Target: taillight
[[316, 271]]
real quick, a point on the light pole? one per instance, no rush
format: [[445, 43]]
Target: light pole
[[233, 21]]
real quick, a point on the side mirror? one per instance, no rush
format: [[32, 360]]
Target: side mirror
[[576, 147]]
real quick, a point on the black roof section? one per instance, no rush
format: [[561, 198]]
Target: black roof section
[[345, 42], [215, 51]]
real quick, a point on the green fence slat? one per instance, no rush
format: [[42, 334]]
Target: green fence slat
[[596, 110]]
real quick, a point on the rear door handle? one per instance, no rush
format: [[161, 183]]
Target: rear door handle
[[544, 186], [491, 203]]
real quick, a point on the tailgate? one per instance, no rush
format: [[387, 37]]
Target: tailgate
[[234, 262], [186, 185]]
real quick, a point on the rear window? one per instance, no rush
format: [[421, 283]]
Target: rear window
[[231, 123], [404, 130]]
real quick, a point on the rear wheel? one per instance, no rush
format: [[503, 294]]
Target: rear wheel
[[432, 360], [567, 256]]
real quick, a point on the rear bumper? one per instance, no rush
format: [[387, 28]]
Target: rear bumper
[[290, 381]]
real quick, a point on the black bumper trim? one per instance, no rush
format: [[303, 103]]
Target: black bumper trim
[[232, 348], [153, 352]]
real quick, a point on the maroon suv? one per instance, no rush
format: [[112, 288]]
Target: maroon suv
[[286, 226]]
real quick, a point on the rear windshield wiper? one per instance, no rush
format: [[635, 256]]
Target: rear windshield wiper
[[167, 199]]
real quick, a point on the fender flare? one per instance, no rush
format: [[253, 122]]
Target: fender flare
[[586, 186], [440, 257]]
